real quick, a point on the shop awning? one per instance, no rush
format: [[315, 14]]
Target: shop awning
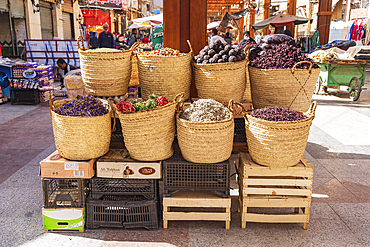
[[154, 20], [138, 26], [280, 20]]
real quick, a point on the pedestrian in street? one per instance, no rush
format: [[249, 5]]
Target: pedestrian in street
[[145, 39], [228, 38], [93, 40], [247, 37], [215, 36], [106, 38], [119, 43], [65, 67], [132, 38]]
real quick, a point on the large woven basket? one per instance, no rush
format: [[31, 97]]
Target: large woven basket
[[148, 135], [81, 138], [206, 142], [166, 76], [277, 144], [288, 88], [105, 73], [247, 92], [220, 81]]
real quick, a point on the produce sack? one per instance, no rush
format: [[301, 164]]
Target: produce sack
[[148, 135], [206, 142], [220, 80], [81, 138], [165, 75], [277, 143], [105, 71], [276, 38], [288, 88]]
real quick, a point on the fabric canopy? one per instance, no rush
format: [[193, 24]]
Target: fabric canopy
[[137, 26], [280, 20], [215, 24], [154, 20]]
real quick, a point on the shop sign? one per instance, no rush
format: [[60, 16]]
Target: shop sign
[[117, 4], [157, 37]]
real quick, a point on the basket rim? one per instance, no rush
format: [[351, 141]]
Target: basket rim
[[309, 118], [249, 67], [217, 64], [186, 55], [89, 51], [214, 122], [86, 117]]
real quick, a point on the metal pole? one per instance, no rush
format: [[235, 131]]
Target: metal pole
[[11, 27]]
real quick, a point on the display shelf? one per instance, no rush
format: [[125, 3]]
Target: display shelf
[[193, 200], [270, 187], [24, 96]]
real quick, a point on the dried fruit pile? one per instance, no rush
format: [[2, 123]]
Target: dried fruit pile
[[153, 101], [218, 52], [277, 114], [164, 52], [83, 107], [278, 56], [206, 110]]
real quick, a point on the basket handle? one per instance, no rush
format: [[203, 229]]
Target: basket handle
[[81, 39], [312, 109], [179, 98], [247, 51], [191, 48], [114, 114], [50, 104], [244, 112], [230, 107], [135, 46], [295, 65]]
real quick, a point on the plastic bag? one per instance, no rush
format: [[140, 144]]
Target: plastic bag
[[73, 80], [276, 38]]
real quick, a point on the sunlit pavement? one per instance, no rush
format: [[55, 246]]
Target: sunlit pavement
[[338, 147]]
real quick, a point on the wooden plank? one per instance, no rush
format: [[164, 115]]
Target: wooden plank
[[282, 182], [273, 218], [187, 202], [277, 191], [184, 25], [250, 168], [196, 216], [171, 24], [276, 203]]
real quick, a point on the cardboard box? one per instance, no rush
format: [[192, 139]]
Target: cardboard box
[[55, 166], [63, 219], [118, 164]]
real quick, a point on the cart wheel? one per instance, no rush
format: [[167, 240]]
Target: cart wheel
[[354, 88]]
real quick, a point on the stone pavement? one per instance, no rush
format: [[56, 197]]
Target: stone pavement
[[338, 147]]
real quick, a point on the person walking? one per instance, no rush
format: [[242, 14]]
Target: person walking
[[106, 38], [227, 38], [145, 39], [132, 38], [93, 40], [119, 43], [215, 36]]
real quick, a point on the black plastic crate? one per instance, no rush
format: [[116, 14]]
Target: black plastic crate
[[100, 187], [24, 96], [239, 130], [181, 175], [122, 211], [59, 192]]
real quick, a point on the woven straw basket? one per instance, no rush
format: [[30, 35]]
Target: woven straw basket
[[81, 138], [134, 81], [166, 76], [247, 92], [288, 88], [277, 144], [105, 73], [220, 81], [206, 142], [148, 135]]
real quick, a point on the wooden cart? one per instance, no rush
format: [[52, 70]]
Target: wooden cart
[[343, 74]]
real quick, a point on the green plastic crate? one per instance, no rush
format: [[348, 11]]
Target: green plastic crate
[[64, 219]]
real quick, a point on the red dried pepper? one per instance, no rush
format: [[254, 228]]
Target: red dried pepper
[[161, 101], [125, 107]]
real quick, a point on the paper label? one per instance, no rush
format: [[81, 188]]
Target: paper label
[[70, 166], [78, 173]]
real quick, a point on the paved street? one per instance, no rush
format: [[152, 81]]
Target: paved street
[[338, 147]]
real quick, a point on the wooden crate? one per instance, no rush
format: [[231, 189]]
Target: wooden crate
[[196, 199], [269, 187]]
